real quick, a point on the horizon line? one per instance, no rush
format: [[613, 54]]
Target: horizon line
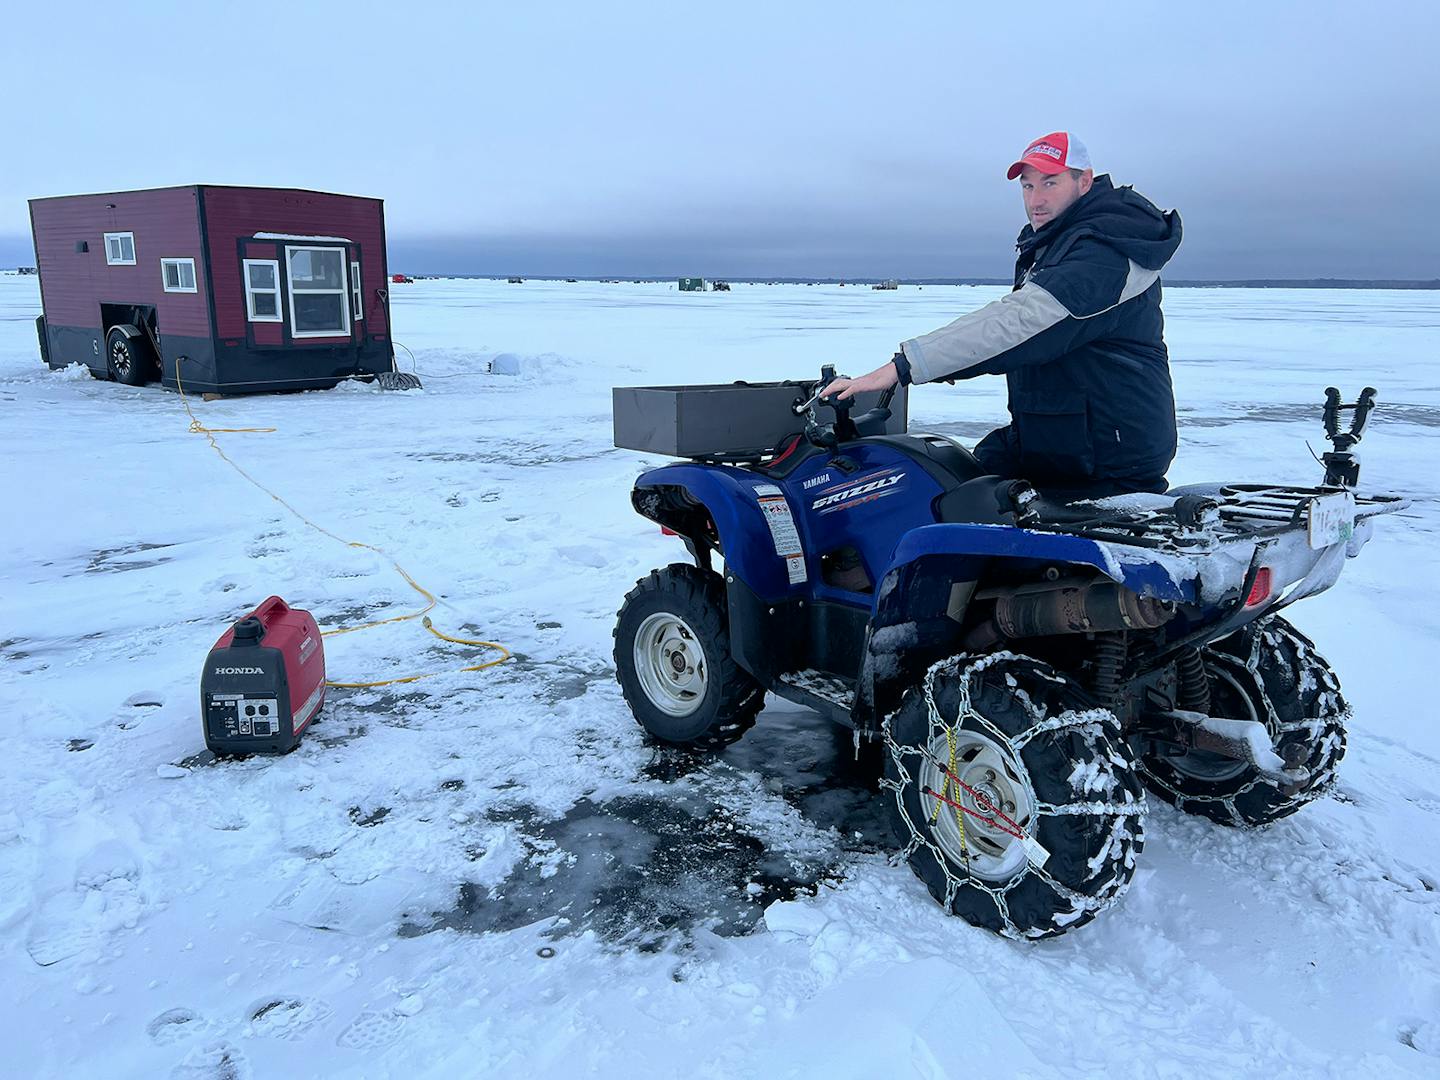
[[767, 279]]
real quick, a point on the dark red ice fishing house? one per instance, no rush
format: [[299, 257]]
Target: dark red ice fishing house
[[240, 289]]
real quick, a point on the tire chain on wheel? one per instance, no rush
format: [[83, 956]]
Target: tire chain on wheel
[[1098, 733], [742, 697], [1305, 681]]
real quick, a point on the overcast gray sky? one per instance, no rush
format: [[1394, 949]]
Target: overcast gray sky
[[728, 138]]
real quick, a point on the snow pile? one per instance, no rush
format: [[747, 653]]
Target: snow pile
[[73, 372]]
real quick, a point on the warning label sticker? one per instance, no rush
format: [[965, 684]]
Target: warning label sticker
[[782, 530]]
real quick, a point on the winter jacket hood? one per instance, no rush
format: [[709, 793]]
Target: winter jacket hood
[[1120, 218]]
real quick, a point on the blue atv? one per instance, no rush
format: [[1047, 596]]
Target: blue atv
[[1031, 665]]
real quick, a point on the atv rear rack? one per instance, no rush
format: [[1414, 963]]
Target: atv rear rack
[[1194, 520]]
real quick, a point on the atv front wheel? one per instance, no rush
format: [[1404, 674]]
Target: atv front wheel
[[1017, 805], [1272, 673], [673, 660]]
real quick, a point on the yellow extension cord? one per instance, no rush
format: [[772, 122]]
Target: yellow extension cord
[[197, 428]]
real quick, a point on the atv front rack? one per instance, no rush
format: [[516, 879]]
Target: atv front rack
[[730, 423]]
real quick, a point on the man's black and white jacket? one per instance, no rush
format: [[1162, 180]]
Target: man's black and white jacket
[[1081, 343]]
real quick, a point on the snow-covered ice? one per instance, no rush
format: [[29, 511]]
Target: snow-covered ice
[[491, 873]]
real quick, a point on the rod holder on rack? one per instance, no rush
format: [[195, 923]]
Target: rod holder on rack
[[1342, 464]]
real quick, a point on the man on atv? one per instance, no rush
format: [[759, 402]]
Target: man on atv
[[1080, 339]]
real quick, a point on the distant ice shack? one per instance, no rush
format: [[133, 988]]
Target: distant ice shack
[[244, 289]]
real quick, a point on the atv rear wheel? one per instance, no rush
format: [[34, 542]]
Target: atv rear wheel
[[1017, 805], [1272, 673], [673, 660]]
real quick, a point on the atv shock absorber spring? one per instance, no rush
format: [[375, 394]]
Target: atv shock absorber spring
[[1110, 653], [1194, 683]]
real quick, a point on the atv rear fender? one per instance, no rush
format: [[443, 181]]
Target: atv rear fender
[[1146, 572], [923, 596]]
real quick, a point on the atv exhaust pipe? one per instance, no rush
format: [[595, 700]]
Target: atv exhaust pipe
[[1098, 608]]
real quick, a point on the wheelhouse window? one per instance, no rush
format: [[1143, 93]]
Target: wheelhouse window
[[357, 303], [318, 292], [178, 274], [262, 290], [120, 248]]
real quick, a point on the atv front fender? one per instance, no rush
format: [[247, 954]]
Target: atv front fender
[[729, 497]]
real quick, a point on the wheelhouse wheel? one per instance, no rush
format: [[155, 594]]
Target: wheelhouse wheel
[[128, 359]]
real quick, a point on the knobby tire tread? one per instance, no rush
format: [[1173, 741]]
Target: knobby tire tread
[[1092, 856], [1295, 688], [703, 604]]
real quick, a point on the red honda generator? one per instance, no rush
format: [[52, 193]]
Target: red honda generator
[[264, 682]]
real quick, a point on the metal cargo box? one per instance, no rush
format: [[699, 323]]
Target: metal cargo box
[[731, 419]]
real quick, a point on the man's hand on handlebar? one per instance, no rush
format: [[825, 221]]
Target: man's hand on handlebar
[[882, 378]]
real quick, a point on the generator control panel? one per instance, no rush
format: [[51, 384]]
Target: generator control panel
[[238, 716]]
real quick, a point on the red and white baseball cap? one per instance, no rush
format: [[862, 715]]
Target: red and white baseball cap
[[1053, 153]]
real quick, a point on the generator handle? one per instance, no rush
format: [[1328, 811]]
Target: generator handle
[[271, 606]]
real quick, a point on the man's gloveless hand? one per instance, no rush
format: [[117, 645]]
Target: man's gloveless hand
[[882, 378]]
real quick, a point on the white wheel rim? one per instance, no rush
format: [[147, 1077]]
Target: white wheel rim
[[997, 780], [670, 664], [120, 355]]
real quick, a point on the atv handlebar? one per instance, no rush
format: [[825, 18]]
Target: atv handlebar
[[827, 376], [871, 422]]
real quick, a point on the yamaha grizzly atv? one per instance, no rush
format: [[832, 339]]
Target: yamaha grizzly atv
[[1031, 665]]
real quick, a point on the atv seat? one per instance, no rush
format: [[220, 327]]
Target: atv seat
[[1053, 511], [985, 500], [938, 453], [998, 500]]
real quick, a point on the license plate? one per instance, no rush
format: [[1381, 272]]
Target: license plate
[[1332, 519]]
